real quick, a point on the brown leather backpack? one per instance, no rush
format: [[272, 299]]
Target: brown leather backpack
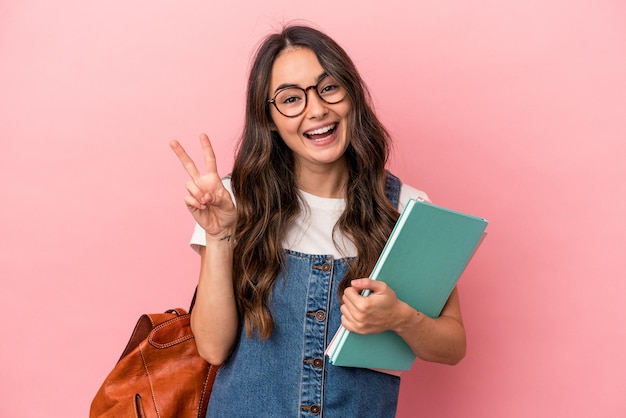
[[160, 373]]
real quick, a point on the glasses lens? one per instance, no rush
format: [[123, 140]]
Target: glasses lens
[[291, 101], [330, 91]]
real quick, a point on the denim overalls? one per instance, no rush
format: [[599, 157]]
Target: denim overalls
[[288, 375]]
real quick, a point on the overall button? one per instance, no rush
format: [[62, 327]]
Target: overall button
[[317, 362], [320, 315], [314, 409], [326, 267]]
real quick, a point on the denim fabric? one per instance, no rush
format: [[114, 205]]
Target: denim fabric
[[392, 188], [288, 374]]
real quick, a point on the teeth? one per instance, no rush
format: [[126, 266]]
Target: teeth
[[322, 130]]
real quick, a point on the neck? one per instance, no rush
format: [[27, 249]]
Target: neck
[[323, 181]]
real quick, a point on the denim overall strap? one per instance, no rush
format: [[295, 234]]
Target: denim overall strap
[[392, 188]]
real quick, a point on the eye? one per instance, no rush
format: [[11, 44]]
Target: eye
[[329, 87], [289, 97]]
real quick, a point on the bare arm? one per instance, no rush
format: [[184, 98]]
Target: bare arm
[[214, 319], [440, 340]]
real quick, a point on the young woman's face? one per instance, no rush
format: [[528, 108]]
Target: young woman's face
[[319, 136]]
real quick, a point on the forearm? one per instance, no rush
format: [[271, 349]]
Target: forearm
[[214, 318], [440, 340]]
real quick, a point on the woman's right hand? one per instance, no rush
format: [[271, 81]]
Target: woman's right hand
[[208, 201]]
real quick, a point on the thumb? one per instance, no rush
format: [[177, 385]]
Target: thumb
[[366, 283]]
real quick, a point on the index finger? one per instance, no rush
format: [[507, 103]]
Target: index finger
[[185, 160]]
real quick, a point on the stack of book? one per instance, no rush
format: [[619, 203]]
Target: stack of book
[[423, 259]]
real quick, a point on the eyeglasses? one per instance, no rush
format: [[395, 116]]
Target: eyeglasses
[[292, 101]]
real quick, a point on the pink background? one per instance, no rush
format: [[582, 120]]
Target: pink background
[[515, 111]]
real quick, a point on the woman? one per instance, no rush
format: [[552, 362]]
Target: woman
[[286, 244]]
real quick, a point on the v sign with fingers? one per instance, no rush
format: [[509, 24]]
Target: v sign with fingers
[[208, 201]]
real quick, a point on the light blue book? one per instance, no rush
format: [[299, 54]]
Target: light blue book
[[423, 259]]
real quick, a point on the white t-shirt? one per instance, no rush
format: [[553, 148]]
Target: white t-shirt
[[312, 231]]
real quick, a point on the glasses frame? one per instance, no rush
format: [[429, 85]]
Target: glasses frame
[[306, 97]]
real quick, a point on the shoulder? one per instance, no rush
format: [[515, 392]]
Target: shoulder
[[409, 192]]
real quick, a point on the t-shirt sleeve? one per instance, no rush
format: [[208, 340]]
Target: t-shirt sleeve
[[407, 192]]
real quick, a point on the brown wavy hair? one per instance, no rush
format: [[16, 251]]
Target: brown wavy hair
[[264, 182]]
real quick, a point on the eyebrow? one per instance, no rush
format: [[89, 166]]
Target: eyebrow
[[288, 85]]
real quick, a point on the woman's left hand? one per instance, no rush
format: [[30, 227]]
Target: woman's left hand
[[440, 339], [379, 311]]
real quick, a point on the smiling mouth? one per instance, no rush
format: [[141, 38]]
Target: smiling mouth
[[321, 133]]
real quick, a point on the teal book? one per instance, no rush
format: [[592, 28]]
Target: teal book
[[422, 261]]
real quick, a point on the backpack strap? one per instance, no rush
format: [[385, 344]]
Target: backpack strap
[[193, 299], [392, 188]]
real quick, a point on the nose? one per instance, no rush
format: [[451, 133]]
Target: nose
[[316, 107]]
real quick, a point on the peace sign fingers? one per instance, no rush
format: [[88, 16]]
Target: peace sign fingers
[[208, 200], [185, 159], [209, 155]]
